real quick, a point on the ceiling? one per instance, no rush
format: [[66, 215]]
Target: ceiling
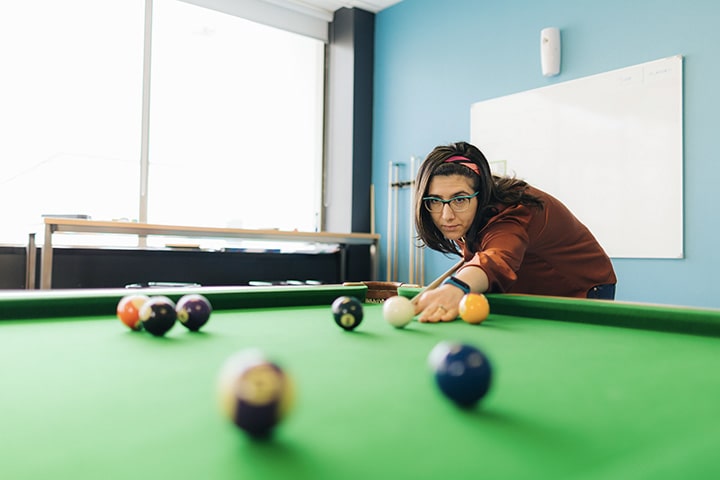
[[329, 6]]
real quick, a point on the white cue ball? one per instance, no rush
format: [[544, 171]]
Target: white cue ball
[[398, 311]]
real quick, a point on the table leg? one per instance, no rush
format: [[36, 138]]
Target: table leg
[[343, 263], [46, 260], [30, 262]]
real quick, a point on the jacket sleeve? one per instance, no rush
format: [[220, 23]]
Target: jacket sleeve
[[500, 247]]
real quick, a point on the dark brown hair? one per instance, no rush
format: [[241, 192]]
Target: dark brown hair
[[492, 190]]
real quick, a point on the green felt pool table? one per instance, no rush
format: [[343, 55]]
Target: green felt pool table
[[582, 389]]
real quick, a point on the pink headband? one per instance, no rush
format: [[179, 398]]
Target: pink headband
[[464, 161]]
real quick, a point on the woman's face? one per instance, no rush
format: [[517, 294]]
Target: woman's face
[[452, 224]]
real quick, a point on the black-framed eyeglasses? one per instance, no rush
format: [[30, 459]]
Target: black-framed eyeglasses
[[457, 204]]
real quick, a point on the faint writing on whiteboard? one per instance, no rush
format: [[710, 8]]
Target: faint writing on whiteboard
[[498, 167]]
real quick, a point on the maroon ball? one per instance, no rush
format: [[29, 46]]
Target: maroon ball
[[193, 311]]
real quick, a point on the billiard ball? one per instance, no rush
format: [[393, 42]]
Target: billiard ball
[[347, 312], [128, 309], [254, 393], [398, 311], [462, 372], [474, 308], [158, 315], [193, 311]]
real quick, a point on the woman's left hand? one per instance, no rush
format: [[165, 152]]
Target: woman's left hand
[[439, 305]]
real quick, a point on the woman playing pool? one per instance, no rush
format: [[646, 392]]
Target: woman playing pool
[[514, 238]]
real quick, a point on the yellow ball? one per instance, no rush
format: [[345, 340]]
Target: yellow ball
[[474, 308]]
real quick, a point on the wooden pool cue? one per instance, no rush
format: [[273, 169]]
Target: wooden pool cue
[[436, 283], [411, 225], [388, 240], [372, 208], [396, 200]]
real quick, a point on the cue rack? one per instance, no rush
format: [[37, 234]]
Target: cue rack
[[416, 259]]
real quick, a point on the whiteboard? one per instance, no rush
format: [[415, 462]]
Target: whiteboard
[[609, 146]]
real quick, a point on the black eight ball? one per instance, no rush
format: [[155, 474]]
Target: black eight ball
[[347, 312]]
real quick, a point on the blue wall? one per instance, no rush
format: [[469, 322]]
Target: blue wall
[[433, 59]]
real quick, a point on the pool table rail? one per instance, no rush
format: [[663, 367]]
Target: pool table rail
[[42, 304], [670, 318]]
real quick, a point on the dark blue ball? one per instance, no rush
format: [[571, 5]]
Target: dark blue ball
[[462, 372]]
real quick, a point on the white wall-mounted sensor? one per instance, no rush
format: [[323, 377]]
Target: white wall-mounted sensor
[[550, 51]]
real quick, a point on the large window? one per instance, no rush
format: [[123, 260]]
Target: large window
[[236, 122], [70, 111], [235, 129]]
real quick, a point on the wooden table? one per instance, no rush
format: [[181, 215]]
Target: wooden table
[[71, 225]]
